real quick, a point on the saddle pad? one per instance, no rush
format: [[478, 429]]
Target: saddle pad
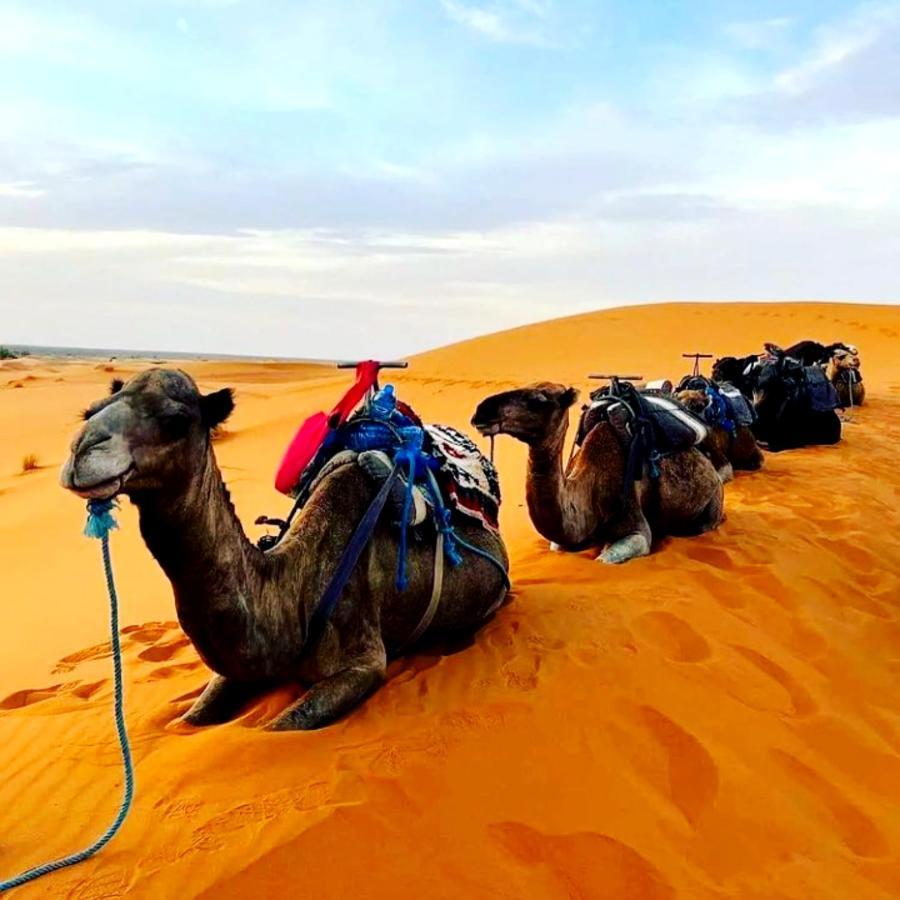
[[466, 475], [738, 406], [820, 392]]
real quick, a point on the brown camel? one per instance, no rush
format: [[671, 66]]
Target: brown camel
[[843, 371], [248, 612], [726, 450], [586, 505]]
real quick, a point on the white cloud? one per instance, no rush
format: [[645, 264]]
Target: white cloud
[[26, 189], [511, 22], [838, 43]]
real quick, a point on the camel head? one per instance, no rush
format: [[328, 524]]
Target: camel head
[[845, 358], [150, 431], [530, 414]]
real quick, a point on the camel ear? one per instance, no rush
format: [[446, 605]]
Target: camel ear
[[116, 385], [215, 408], [569, 396]]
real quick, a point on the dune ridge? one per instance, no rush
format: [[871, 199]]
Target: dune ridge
[[721, 719]]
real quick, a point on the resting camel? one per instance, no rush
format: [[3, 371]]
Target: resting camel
[[843, 372], [249, 612], [794, 405], [726, 450], [812, 353], [587, 505]]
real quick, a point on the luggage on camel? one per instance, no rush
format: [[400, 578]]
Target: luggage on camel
[[437, 472], [820, 392], [649, 425], [726, 405]]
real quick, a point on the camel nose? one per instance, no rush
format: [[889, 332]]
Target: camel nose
[[93, 439]]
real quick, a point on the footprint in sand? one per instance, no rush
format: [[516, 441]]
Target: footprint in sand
[[30, 696], [163, 652], [68, 663], [803, 703], [103, 886], [854, 827], [712, 556], [674, 637], [149, 632], [693, 776], [582, 864]]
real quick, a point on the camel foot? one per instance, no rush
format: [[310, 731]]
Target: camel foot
[[627, 548], [330, 698], [725, 473], [222, 699], [554, 547]]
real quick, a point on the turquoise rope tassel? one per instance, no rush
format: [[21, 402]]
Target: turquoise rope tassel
[[100, 520]]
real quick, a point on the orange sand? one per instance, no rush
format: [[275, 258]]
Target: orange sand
[[719, 720]]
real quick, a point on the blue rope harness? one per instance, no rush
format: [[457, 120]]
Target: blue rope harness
[[100, 522]]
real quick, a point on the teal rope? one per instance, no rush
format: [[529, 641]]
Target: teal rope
[[100, 522]]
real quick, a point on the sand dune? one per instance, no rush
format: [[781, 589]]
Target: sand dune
[[721, 719]]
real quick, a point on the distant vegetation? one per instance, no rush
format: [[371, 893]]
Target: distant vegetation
[[6, 353]]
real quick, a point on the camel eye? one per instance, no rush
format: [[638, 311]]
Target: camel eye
[[536, 403], [175, 425]]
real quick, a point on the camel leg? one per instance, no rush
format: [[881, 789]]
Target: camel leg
[[626, 548], [635, 538], [221, 700], [330, 698], [713, 515]]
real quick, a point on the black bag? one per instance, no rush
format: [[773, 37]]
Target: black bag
[[820, 393], [739, 408]]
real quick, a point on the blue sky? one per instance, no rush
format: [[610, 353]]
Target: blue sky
[[364, 178]]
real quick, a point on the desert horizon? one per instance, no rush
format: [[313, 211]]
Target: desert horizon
[[717, 719]]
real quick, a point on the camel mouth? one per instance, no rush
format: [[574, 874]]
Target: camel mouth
[[488, 429], [102, 490]]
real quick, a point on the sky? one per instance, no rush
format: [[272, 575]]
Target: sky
[[332, 178]]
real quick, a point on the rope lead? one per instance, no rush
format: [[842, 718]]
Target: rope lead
[[100, 522]]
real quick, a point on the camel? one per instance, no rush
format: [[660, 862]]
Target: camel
[[794, 405], [843, 371], [250, 613], [589, 504], [812, 353], [727, 450]]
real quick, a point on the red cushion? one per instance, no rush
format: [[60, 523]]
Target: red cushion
[[300, 452], [311, 434]]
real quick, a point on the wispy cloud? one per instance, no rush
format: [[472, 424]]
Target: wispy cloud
[[759, 34], [509, 22]]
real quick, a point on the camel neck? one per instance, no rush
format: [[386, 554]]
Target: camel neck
[[196, 537], [546, 490]]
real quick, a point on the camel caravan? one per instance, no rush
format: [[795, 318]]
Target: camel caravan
[[651, 461], [393, 536]]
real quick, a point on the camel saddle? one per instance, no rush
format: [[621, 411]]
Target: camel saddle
[[648, 424], [726, 406]]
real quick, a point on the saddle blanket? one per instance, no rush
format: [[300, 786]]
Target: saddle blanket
[[467, 477]]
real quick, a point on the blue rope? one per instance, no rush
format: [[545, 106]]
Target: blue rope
[[100, 522]]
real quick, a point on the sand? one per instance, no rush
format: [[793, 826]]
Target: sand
[[719, 720]]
